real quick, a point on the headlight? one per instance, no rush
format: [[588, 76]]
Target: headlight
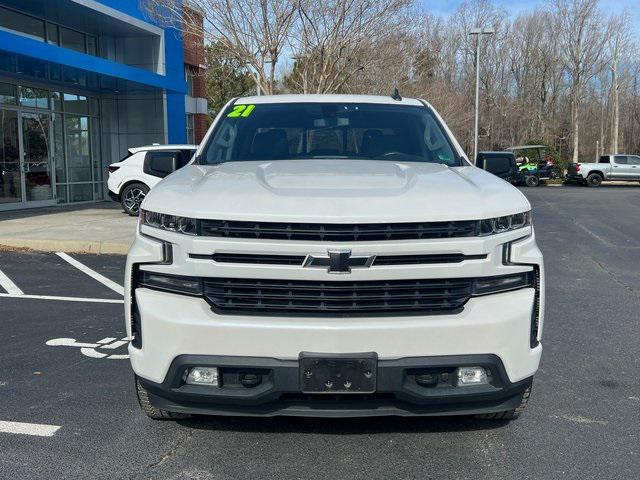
[[170, 283], [491, 226], [185, 225], [503, 283]]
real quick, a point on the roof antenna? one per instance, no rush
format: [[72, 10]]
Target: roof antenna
[[396, 95]]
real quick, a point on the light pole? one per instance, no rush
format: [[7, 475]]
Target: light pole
[[479, 32]]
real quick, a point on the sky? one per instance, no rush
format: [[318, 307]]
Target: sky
[[445, 7]]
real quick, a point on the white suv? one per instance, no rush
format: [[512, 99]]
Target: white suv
[[334, 256], [131, 178]]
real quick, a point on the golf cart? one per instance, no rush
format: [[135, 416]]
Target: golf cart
[[535, 164]]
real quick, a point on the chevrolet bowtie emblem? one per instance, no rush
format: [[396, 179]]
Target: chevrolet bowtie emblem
[[338, 261]]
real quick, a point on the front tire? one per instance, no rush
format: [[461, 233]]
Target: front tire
[[509, 414], [132, 197], [151, 411], [594, 180], [532, 180]]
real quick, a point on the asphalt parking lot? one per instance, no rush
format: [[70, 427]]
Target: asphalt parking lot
[[66, 384]]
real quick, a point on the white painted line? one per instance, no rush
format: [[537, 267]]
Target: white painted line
[[115, 345], [92, 352], [64, 299], [8, 285], [69, 342], [106, 340], [95, 275], [35, 429]]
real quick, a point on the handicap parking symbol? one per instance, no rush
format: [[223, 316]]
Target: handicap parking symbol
[[101, 349]]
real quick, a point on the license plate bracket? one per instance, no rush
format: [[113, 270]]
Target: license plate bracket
[[343, 373]]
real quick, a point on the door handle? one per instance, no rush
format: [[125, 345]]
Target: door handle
[[615, 166]]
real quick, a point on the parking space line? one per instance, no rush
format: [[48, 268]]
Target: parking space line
[[35, 429], [65, 299], [8, 285], [93, 274]]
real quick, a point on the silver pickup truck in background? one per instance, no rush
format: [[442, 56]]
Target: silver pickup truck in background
[[609, 167]]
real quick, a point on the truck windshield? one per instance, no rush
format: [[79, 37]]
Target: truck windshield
[[307, 131]]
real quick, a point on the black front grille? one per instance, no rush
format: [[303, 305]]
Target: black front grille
[[380, 260], [310, 298], [425, 259], [258, 259], [332, 232]]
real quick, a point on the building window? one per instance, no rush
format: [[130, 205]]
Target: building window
[[75, 103], [53, 34], [19, 22], [8, 93], [34, 97], [73, 142], [72, 39], [92, 45], [191, 133], [189, 75], [47, 31]]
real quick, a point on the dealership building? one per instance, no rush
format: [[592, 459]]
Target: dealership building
[[81, 81]]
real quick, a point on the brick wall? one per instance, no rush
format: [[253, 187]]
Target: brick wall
[[199, 89], [193, 58], [193, 37], [200, 126]]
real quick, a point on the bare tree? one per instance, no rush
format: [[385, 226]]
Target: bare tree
[[255, 32], [581, 38], [618, 45], [337, 39]]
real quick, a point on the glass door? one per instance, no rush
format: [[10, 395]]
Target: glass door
[[10, 176], [36, 160]]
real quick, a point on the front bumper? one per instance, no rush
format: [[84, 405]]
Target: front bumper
[[174, 325], [398, 392]]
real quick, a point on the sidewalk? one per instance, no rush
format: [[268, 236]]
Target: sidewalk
[[94, 228]]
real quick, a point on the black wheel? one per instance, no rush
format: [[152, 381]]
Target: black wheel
[[532, 181], [132, 197], [594, 180], [509, 414], [151, 411]]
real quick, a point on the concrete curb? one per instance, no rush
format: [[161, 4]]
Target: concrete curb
[[69, 246]]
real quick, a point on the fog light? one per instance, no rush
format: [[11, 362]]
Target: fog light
[[203, 376], [471, 376]]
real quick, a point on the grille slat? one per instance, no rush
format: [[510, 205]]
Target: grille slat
[[258, 259], [380, 260], [425, 259], [336, 232], [328, 286], [348, 298]]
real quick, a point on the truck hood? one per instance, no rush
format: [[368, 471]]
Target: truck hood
[[338, 191]]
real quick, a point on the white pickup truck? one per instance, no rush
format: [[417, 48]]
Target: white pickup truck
[[333, 255], [609, 167]]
